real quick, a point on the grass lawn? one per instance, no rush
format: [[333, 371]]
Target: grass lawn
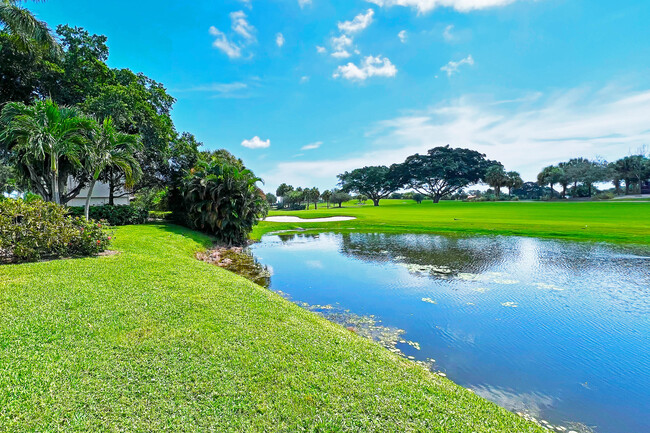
[[152, 339], [611, 221]]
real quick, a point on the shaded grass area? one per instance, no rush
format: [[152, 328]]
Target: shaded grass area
[[152, 339], [616, 222]]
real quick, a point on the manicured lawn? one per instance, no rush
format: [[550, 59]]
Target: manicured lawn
[[151, 339], [611, 221]]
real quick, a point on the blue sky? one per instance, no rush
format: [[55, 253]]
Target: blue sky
[[303, 90]]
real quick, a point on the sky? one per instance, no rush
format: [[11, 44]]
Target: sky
[[303, 90]]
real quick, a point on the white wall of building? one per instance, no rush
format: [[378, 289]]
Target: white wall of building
[[99, 197]]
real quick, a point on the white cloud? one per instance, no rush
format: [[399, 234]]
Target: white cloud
[[247, 3], [312, 146], [370, 67], [452, 67], [235, 89], [304, 79], [359, 23], [447, 34], [279, 40], [403, 36], [321, 50], [424, 6], [340, 45], [256, 143], [525, 133], [303, 3], [222, 43], [241, 26]]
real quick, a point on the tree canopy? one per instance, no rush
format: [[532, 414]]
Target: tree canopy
[[442, 171], [375, 182]]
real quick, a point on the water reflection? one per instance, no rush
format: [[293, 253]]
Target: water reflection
[[561, 329]]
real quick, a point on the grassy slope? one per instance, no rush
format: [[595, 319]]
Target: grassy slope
[[594, 221], [153, 340]]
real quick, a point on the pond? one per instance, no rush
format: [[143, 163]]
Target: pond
[[556, 330]]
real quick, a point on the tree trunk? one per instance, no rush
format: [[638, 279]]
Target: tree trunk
[[375, 201], [436, 198], [341, 204], [627, 186], [315, 205], [498, 191], [564, 191], [589, 190], [88, 197], [552, 191], [56, 197], [111, 188]]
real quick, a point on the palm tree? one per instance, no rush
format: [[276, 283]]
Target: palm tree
[[514, 181], [109, 148], [29, 32], [45, 134], [496, 177], [549, 176], [327, 195]]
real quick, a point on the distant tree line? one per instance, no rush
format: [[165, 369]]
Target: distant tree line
[[300, 198], [446, 173]]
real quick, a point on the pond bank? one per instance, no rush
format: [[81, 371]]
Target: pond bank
[[205, 345]]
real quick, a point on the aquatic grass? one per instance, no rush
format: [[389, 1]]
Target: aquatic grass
[[151, 339], [611, 221]]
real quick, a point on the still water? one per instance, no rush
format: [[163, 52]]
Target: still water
[[555, 329]]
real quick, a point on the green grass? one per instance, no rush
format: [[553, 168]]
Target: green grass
[[152, 339], [611, 221]]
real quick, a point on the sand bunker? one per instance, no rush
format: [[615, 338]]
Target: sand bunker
[[294, 219]]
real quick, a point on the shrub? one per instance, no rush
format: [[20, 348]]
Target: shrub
[[604, 196], [223, 199], [114, 215], [35, 229], [160, 215]]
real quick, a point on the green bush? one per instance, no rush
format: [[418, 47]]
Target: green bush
[[33, 230], [160, 215], [114, 215], [604, 196], [223, 199]]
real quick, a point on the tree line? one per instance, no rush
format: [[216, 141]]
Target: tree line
[[301, 198], [578, 176], [445, 172]]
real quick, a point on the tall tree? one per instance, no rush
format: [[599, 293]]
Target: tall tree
[[30, 33], [283, 192], [376, 182], [109, 148], [327, 195], [550, 175], [514, 181], [442, 171], [496, 177], [46, 143], [633, 170]]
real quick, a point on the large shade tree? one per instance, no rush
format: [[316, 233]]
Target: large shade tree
[[46, 146], [375, 182], [442, 171]]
